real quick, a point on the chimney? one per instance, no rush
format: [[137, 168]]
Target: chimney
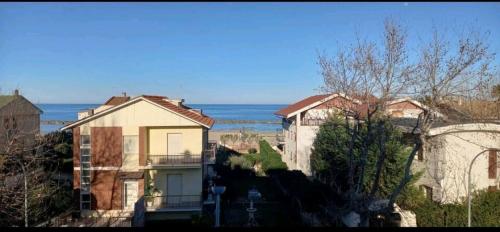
[[124, 94], [16, 92]]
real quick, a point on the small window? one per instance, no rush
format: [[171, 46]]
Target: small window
[[85, 158], [130, 145], [85, 140], [86, 205], [492, 164], [427, 191], [85, 197], [85, 172], [85, 187], [420, 154], [85, 151]]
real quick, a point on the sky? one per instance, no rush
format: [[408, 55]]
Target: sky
[[227, 53]]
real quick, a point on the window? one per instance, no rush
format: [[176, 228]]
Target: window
[[420, 154], [427, 191], [85, 141], [130, 150], [85, 160], [492, 164], [130, 145], [14, 123]]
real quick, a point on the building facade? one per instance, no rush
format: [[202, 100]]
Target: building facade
[[447, 156], [19, 121], [147, 154]]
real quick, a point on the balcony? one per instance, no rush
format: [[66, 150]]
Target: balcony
[[209, 154], [182, 160], [173, 203], [312, 122]]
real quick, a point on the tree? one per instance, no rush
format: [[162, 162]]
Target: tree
[[26, 186], [361, 71]]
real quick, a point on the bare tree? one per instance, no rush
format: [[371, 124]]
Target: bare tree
[[366, 69], [25, 184]]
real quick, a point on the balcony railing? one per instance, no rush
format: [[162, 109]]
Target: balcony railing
[[312, 122], [175, 160], [173, 202]]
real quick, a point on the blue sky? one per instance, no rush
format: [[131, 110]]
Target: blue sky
[[203, 52]]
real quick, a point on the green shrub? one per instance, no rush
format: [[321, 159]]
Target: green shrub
[[485, 207], [270, 159], [252, 158]]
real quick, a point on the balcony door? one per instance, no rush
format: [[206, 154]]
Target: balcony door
[[174, 144], [174, 190]]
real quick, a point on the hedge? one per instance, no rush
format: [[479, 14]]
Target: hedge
[[269, 158], [485, 206]]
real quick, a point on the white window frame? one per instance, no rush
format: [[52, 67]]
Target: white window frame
[[82, 170], [123, 147]]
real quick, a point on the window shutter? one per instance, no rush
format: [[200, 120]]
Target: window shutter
[[492, 164]]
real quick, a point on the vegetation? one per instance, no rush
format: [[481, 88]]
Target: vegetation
[[269, 158], [329, 149], [484, 212]]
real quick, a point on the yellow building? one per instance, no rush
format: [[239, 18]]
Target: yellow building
[[144, 154]]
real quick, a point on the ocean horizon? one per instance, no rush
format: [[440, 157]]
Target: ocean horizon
[[253, 117]]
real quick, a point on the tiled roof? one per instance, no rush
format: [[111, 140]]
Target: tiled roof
[[113, 101], [198, 117], [301, 104]]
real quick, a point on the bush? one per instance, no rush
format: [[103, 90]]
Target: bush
[[270, 159], [485, 207], [252, 151], [241, 162], [252, 158]]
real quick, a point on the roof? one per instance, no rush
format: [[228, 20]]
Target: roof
[[6, 99], [183, 111], [301, 104], [113, 101]]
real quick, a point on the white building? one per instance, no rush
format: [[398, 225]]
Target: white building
[[453, 143], [301, 122]]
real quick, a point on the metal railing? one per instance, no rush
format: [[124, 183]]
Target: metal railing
[[312, 122], [173, 202], [182, 159]]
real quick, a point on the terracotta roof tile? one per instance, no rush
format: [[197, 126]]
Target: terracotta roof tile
[[301, 104], [113, 101], [198, 117]]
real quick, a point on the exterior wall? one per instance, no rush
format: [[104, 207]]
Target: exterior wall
[[106, 190], [106, 146], [27, 119], [150, 124], [192, 139], [289, 132], [449, 154], [305, 139]]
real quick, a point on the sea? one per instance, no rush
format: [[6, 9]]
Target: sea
[[252, 117]]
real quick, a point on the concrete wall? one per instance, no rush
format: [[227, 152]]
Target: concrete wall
[[448, 155], [305, 139], [289, 132]]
